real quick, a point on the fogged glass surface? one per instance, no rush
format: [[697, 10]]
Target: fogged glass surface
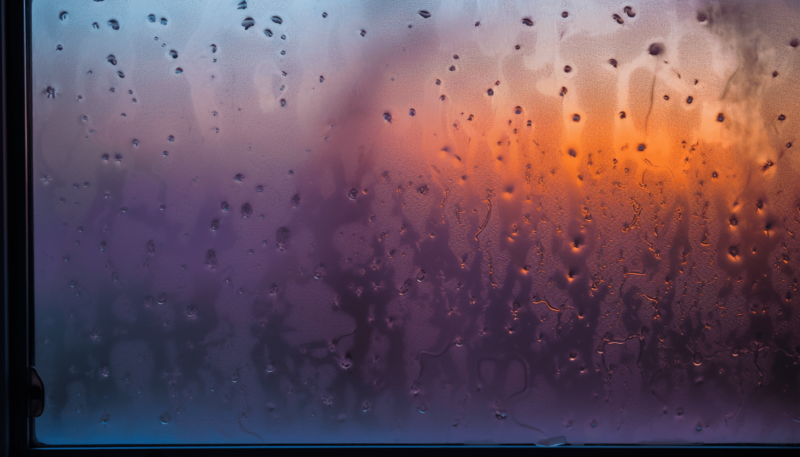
[[453, 222]]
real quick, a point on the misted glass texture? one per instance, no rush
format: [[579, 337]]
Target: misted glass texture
[[416, 222]]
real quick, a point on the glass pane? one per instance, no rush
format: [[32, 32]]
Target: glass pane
[[456, 222]]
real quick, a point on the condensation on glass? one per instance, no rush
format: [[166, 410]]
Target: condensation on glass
[[456, 222]]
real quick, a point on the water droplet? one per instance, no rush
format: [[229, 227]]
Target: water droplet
[[490, 92], [564, 14], [697, 359], [679, 412], [576, 117], [102, 246], [594, 423], [135, 142], [421, 276], [95, 25], [191, 311], [527, 22], [113, 24], [151, 17], [277, 19], [163, 21], [352, 194], [296, 201], [59, 48], [500, 414], [423, 408], [248, 22], [567, 69], [239, 177], [215, 225], [720, 117], [247, 210], [283, 102], [655, 49], [282, 238], [319, 271], [387, 117], [173, 53], [211, 258], [63, 16], [617, 18], [641, 147], [363, 32], [50, 91], [165, 418], [734, 252], [629, 11], [794, 42], [178, 71], [424, 14], [242, 5]]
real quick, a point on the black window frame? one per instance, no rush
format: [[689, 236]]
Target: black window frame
[[16, 332]]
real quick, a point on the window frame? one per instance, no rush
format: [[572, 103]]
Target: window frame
[[17, 329]]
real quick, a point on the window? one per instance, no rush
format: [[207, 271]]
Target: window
[[355, 222]]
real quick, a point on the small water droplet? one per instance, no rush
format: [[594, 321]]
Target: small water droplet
[[165, 418], [173, 53], [163, 21], [113, 24], [319, 271], [242, 5], [277, 19], [151, 17], [387, 117], [655, 49], [527, 22], [282, 238], [247, 210], [352, 194], [248, 22]]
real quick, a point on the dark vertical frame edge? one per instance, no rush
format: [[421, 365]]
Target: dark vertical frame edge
[[16, 224]]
